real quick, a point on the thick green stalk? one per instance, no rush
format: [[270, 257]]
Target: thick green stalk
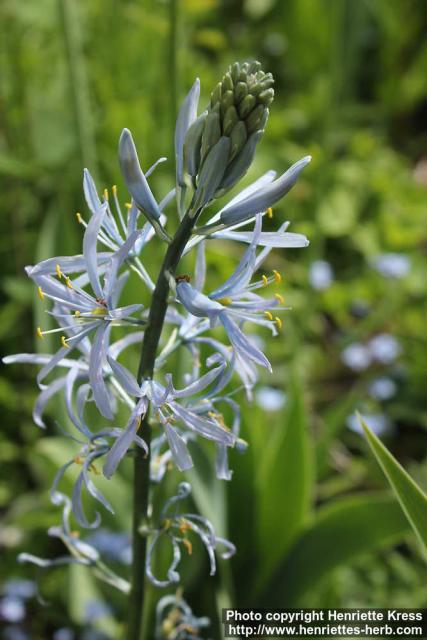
[[159, 304]]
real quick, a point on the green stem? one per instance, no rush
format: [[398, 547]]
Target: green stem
[[159, 304]]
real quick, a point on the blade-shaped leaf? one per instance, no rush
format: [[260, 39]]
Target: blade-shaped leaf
[[284, 483], [411, 498], [341, 532]]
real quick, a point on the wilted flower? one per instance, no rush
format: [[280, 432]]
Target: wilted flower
[[177, 527], [176, 621], [80, 552]]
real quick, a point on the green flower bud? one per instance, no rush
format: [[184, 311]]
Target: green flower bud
[[238, 111]]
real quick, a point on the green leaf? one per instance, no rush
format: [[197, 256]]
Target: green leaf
[[411, 498], [341, 532], [284, 482]]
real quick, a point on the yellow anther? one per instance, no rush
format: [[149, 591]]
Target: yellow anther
[[77, 313], [39, 332], [78, 460], [64, 342], [40, 292], [114, 189], [278, 322], [183, 525], [68, 282], [58, 271], [280, 298], [106, 194], [99, 311], [277, 276], [269, 212], [264, 280], [187, 544], [225, 301], [79, 218], [268, 315], [128, 205]]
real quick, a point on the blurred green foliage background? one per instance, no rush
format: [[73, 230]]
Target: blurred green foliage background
[[308, 507]]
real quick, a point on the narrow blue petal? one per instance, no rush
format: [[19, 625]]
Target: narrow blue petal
[[44, 398], [186, 116], [125, 440], [115, 263], [125, 377], [135, 179], [90, 240], [96, 379], [179, 450], [264, 197], [242, 344]]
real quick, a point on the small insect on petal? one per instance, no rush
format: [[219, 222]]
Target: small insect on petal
[[277, 276]]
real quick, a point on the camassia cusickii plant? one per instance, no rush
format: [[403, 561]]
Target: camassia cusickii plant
[[168, 411]]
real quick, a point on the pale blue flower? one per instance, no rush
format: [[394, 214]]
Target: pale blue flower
[[175, 527], [175, 620], [167, 411], [356, 356], [80, 313], [377, 422], [113, 234], [80, 552], [384, 348], [19, 588], [392, 265], [236, 302], [270, 398], [12, 609], [112, 545], [382, 388], [320, 275]]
